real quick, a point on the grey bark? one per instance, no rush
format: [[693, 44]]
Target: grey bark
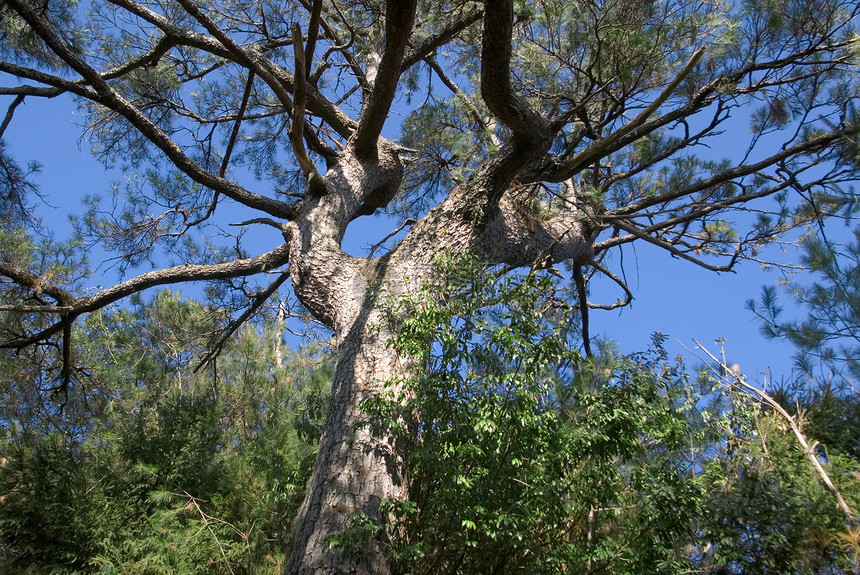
[[356, 471]]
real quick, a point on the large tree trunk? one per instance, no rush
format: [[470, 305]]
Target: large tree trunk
[[355, 471]]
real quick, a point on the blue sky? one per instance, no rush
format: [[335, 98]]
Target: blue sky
[[672, 297]]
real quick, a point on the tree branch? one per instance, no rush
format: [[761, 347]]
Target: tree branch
[[705, 96], [259, 300], [147, 59], [601, 147], [579, 279], [313, 33], [38, 284], [637, 233], [445, 35], [812, 145], [107, 96], [628, 295], [73, 307], [58, 85], [340, 46], [449, 83], [277, 78], [298, 125], [529, 128], [399, 18], [249, 59], [184, 273], [10, 111]]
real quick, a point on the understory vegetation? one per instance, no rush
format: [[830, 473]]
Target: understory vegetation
[[528, 458]]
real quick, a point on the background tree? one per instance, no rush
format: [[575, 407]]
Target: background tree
[[823, 389], [151, 468], [535, 133], [529, 458]]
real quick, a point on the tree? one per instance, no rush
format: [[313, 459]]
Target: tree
[[827, 361], [534, 134], [150, 467]]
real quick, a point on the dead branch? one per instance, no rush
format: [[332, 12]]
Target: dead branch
[[723, 374]]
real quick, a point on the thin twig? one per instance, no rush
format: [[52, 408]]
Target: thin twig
[[379, 244], [209, 527], [628, 295], [259, 300]]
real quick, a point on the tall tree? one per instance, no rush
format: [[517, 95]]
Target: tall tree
[[534, 133]]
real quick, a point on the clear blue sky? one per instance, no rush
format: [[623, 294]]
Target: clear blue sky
[[672, 297]]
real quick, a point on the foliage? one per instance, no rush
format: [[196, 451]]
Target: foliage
[[829, 336], [526, 458], [827, 341], [151, 468]]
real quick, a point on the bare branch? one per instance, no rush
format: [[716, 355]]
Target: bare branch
[[582, 296], [240, 114], [259, 300], [342, 47], [313, 33], [380, 243], [530, 129], [445, 35], [399, 18], [628, 295], [298, 126], [10, 111]]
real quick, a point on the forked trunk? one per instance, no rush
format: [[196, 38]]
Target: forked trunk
[[340, 527]]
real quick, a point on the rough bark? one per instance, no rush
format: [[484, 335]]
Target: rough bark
[[356, 471]]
